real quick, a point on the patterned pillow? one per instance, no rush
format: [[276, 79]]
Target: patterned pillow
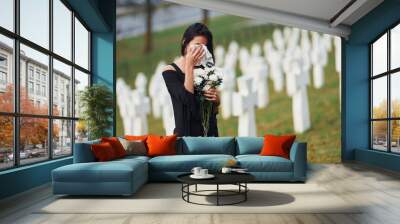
[[136, 147]]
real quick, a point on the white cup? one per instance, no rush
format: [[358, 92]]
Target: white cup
[[203, 172], [196, 171], [226, 170]]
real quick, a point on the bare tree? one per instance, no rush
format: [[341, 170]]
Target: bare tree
[[205, 16], [148, 35]]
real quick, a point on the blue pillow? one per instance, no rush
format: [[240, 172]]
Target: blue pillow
[[207, 145], [249, 145]]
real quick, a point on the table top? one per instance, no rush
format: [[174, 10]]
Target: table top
[[220, 178]]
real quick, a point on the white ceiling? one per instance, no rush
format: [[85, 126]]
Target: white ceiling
[[317, 15], [321, 9]]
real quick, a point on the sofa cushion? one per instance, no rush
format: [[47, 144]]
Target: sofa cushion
[[134, 157], [257, 163], [249, 145], [206, 145], [185, 163], [112, 171]]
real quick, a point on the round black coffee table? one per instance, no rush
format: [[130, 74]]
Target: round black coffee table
[[238, 179]]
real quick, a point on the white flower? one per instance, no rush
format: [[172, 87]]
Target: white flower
[[208, 70], [213, 77], [198, 72], [197, 80], [206, 87]]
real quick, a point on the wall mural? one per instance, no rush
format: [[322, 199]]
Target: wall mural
[[275, 79]]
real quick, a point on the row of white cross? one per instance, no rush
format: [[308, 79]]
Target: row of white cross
[[288, 59]]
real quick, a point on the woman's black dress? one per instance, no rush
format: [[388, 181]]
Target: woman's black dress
[[186, 106]]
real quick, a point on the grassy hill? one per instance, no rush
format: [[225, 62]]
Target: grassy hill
[[324, 136]]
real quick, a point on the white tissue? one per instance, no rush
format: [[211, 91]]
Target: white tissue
[[207, 60]]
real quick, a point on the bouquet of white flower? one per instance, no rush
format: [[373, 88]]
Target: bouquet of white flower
[[206, 76]]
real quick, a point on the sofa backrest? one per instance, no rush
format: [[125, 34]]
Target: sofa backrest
[[191, 146], [83, 153], [206, 145], [249, 145]]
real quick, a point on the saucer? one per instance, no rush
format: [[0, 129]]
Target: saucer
[[240, 171], [208, 176]]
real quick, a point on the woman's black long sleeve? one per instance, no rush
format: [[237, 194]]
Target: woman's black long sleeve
[[177, 90], [186, 106]]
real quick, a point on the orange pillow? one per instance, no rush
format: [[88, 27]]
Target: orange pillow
[[103, 152], [277, 145], [116, 145], [161, 145], [135, 138]]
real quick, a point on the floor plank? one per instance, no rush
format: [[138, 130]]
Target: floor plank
[[376, 190]]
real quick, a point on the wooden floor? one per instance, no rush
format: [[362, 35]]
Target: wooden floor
[[378, 189]]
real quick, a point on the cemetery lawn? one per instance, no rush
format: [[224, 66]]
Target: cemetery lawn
[[323, 138]]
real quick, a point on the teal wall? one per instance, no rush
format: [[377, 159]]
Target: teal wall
[[355, 87], [99, 15], [24, 178], [380, 159], [104, 52], [356, 100], [103, 66]]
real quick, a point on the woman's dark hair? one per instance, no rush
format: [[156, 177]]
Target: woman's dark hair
[[194, 30]]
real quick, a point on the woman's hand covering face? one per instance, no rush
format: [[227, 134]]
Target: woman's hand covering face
[[194, 54]]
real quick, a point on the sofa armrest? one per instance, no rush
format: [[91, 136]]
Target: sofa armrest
[[298, 155], [83, 152]]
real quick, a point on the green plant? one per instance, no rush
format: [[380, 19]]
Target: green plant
[[96, 103]]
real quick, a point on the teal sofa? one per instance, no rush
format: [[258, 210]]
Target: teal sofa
[[125, 176]]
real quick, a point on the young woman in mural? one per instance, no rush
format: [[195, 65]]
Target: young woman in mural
[[179, 78]]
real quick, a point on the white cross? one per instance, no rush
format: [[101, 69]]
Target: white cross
[[274, 59], [122, 96], [139, 107], [167, 110], [227, 88], [305, 46], [259, 73], [219, 53], [319, 60], [244, 58], [256, 50], [134, 106], [278, 39], [141, 82], [154, 86], [245, 101], [338, 64], [300, 107]]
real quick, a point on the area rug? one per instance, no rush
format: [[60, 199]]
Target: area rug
[[166, 198]]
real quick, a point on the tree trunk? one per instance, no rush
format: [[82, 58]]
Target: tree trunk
[[148, 34], [205, 16]]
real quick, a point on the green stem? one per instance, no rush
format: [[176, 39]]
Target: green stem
[[206, 113]]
